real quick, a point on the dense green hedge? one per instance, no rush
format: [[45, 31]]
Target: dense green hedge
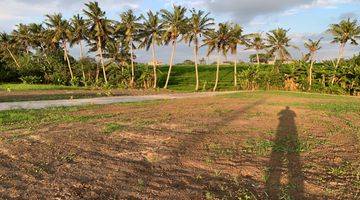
[[53, 70]]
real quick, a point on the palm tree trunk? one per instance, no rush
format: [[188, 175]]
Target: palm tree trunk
[[258, 58], [235, 70], [68, 60], [310, 74], [217, 72], [82, 65], [275, 66], [97, 73], [310, 71], [170, 64], [154, 63], [196, 51], [132, 65], [341, 54], [13, 57], [102, 59]]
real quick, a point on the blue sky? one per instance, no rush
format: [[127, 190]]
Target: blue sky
[[304, 18]]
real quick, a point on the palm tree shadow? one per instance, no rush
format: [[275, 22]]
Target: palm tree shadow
[[285, 154]]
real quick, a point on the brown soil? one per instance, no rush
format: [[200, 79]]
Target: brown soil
[[201, 148]]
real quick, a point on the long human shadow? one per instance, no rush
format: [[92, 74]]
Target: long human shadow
[[285, 154]]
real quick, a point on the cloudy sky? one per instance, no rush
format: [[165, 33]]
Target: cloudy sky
[[304, 18]]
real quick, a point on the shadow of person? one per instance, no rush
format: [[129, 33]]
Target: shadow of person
[[285, 154]]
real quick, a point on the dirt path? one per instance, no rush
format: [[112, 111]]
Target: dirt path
[[100, 101]]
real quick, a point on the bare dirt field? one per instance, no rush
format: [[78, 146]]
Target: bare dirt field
[[260, 145]]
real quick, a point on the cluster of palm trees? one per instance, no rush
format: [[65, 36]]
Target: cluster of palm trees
[[115, 41]]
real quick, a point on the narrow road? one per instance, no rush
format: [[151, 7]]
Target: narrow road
[[101, 100]]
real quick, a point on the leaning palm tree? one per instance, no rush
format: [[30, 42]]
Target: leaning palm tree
[[199, 24], [79, 31], [7, 44], [130, 24], [344, 32], [218, 41], [256, 43], [236, 39], [278, 44], [175, 24], [312, 46], [151, 33], [60, 33], [99, 29]]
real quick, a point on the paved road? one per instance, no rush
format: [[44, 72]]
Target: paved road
[[101, 100]]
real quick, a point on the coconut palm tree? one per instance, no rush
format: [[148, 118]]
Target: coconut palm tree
[[218, 41], [60, 32], [199, 24], [40, 41], [278, 44], [99, 29], [256, 43], [79, 31], [36, 39], [236, 39], [22, 37], [312, 46], [130, 24], [344, 32], [7, 44], [175, 24], [151, 33]]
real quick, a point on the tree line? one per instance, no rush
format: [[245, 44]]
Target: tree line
[[43, 48]]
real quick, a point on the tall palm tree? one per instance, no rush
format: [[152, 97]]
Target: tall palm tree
[[60, 33], [278, 44], [236, 39], [99, 29], [199, 24], [22, 37], [312, 46], [37, 36], [79, 31], [344, 32], [175, 24], [218, 41], [40, 41], [151, 33], [130, 24], [7, 43], [256, 43]]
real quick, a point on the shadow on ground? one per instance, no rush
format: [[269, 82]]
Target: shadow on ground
[[285, 155]]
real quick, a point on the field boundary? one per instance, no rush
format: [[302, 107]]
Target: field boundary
[[103, 100]]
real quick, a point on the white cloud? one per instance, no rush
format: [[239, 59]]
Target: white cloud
[[23, 11]]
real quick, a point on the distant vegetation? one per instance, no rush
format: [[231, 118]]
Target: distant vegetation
[[39, 54]]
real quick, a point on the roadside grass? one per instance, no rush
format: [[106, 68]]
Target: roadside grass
[[25, 87], [20, 119], [290, 94], [50, 97], [329, 103], [30, 119], [337, 107], [247, 95]]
